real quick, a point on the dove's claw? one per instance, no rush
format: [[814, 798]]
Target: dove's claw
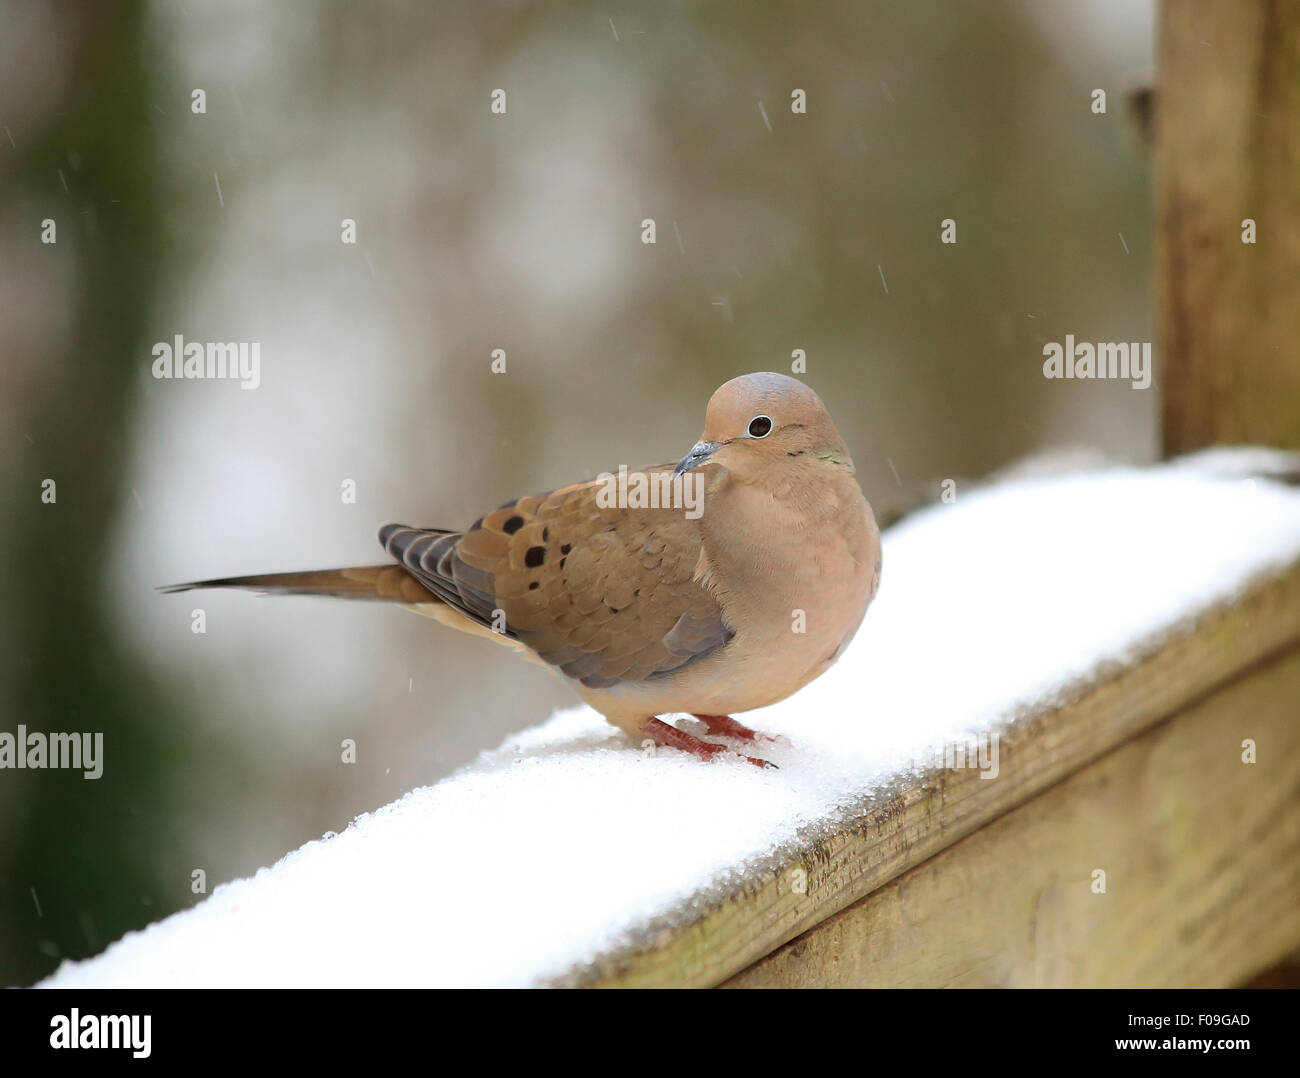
[[666, 734], [726, 726]]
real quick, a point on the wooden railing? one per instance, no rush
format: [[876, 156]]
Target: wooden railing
[[956, 881], [1143, 826]]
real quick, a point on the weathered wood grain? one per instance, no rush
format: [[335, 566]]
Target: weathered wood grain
[[1227, 150], [1201, 854]]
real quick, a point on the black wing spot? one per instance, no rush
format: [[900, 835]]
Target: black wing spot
[[536, 556], [512, 525]]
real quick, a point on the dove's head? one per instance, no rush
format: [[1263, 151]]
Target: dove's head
[[761, 421]]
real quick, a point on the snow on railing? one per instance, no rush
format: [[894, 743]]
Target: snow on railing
[[569, 846]]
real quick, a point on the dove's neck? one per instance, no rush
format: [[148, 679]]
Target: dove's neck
[[804, 540], [793, 501]]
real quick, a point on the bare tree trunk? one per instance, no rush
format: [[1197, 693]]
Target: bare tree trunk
[[1228, 151]]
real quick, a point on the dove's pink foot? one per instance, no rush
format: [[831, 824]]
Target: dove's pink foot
[[726, 726], [666, 734]]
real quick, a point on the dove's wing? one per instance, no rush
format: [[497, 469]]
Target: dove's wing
[[605, 594]]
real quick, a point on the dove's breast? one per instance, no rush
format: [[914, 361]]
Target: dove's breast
[[793, 586]]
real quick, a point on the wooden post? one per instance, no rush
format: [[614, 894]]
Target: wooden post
[[1228, 153]]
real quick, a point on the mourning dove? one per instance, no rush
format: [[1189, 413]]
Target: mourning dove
[[648, 601]]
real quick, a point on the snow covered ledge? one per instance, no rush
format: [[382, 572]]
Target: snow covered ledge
[[1070, 616]]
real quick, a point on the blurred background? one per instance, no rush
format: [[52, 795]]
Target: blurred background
[[476, 231]]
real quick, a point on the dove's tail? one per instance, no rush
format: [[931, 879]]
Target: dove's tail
[[387, 583]]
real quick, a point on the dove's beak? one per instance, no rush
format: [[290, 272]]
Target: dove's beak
[[699, 454]]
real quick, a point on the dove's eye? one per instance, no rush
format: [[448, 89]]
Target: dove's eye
[[760, 426]]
